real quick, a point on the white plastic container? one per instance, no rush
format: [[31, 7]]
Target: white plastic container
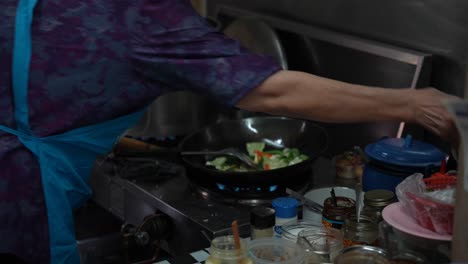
[[286, 211]]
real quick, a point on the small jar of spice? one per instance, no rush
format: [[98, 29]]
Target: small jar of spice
[[335, 211], [262, 222], [376, 200]]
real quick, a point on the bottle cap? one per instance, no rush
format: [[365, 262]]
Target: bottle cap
[[379, 198], [262, 217], [285, 207]]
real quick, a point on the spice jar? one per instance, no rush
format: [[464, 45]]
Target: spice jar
[[262, 222], [376, 200], [362, 232], [223, 251], [333, 215]]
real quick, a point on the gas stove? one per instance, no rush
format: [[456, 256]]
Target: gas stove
[[136, 189]]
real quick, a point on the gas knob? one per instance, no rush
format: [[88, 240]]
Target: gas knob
[[142, 238]]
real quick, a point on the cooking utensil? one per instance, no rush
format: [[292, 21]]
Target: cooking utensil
[[358, 190], [310, 139], [258, 37], [235, 234], [305, 201], [126, 143], [333, 196], [227, 151], [177, 113]]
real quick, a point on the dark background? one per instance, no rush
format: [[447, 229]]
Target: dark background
[[438, 27]]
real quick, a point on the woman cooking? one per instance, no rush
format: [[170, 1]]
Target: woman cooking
[[75, 74]]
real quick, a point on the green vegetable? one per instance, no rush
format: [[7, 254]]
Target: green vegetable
[[274, 162], [219, 163], [254, 146], [269, 159]]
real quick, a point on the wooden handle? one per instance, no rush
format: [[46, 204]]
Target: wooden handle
[[126, 143], [235, 234]]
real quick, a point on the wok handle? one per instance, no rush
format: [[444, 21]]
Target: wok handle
[[130, 144], [131, 148], [186, 153]]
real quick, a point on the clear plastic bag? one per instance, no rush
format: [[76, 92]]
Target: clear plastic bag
[[432, 209]]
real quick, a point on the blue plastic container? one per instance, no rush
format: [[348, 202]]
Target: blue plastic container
[[394, 159]]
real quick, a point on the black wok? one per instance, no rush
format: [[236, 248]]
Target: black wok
[[276, 132]]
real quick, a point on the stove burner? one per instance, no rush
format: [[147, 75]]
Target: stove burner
[[248, 189], [246, 196]]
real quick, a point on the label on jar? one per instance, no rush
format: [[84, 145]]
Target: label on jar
[[331, 223]]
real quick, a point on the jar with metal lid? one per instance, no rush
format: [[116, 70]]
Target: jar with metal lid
[[334, 214], [262, 222], [362, 232], [376, 200], [223, 251], [362, 255]]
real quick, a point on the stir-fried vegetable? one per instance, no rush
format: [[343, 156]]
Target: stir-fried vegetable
[[266, 159]]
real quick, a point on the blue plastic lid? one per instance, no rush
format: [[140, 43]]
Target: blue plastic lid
[[285, 207], [406, 152]]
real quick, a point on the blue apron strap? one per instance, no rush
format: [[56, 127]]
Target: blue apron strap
[[9, 130], [66, 160], [21, 61]]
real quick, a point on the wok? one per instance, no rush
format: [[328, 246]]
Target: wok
[[276, 132]]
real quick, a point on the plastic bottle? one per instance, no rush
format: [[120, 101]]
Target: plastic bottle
[[286, 211]]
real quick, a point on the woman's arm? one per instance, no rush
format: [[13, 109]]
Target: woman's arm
[[308, 96]]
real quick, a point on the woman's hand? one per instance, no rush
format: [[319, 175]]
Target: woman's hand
[[429, 111]]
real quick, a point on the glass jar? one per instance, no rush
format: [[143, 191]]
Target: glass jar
[[262, 222], [276, 251], [376, 200], [222, 251], [290, 230], [321, 246], [362, 232], [333, 216], [362, 255]]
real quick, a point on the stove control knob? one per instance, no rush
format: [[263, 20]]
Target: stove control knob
[[142, 238]]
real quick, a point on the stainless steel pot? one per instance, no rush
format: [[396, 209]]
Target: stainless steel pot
[[176, 114]]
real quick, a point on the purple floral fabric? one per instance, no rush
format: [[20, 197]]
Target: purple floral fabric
[[94, 60]]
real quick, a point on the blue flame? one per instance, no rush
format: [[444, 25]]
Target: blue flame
[[273, 188]]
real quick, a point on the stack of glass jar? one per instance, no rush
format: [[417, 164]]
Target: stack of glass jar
[[277, 236]]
